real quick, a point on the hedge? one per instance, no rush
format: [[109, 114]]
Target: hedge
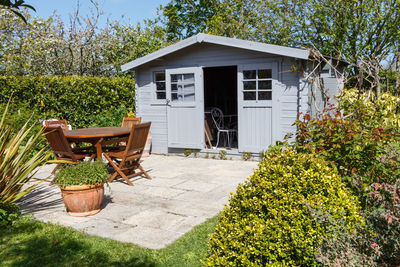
[[82, 101], [269, 219]]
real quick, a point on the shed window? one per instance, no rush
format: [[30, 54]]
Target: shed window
[[183, 87], [159, 80], [257, 84]]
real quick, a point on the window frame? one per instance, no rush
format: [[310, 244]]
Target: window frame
[[256, 80], [154, 85]]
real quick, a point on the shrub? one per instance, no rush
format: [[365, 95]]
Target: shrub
[[383, 110], [268, 219], [83, 173], [82, 101], [9, 213], [18, 163], [354, 144]]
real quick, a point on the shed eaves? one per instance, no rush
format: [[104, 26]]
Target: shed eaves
[[225, 41]]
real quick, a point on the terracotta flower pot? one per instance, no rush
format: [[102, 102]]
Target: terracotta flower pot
[[83, 200]]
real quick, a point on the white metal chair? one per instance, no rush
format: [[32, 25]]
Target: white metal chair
[[218, 118]]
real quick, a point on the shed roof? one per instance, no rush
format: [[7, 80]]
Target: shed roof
[[213, 39]]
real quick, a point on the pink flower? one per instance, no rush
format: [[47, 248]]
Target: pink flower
[[373, 245]]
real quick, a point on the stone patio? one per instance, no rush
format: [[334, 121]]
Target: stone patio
[[154, 213]]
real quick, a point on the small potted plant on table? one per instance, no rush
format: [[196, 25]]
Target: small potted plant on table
[[82, 187]]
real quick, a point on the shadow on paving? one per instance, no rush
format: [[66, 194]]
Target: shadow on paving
[[38, 200], [61, 249]]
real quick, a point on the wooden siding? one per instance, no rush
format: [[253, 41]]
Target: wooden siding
[[292, 96]]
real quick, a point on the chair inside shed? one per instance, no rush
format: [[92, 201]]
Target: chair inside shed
[[220, 91]]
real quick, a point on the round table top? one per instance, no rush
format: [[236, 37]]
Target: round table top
[[97, 132]]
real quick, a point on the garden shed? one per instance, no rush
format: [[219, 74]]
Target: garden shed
[[260, 89]]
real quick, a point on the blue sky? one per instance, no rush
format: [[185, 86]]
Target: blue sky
[[133, 10]]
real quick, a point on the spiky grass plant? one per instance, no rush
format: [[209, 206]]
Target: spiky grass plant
[[18, 162]]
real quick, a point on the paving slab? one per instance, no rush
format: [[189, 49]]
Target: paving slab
[[183, 193]]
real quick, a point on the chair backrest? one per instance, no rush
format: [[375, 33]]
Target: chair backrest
[[57, 141], [138, 137], [62, 123], [218, 118], [129, 122]]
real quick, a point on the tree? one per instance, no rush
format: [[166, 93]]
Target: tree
[[49, 47], [14, 6], [364, 33]]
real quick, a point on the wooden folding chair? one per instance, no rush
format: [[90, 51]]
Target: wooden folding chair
[[130, 154], [62, 149], [62, 123], [129, 122]]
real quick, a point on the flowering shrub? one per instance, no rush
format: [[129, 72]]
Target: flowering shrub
[[268, 220], [353, 144], [383, 109]]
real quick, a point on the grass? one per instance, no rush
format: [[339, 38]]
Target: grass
[[33, 243]]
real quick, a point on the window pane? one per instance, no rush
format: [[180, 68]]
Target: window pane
[[265, 95], [160, 76], [160, 95], [188, 92], [249, 85], [174, 87], [264, 74], [176, 77], [188, 77], [249, 95], [249, 74], [160, 86], [174, 96], [265, 84]]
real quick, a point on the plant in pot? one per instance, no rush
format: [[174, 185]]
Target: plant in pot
[[82, 187]]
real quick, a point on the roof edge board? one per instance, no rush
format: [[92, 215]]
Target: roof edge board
[[257, 46], [219, 40], [159, 53]]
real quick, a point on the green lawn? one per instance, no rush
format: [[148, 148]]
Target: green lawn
[[33, 243]]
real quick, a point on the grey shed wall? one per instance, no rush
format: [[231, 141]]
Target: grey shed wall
[[293, 90]]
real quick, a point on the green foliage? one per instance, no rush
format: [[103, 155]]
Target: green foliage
[[383, 109], [246, 156], [355, 144], [9, 213], [222, 154], [345, 248], [187, 152], [268, 221], [361, 32], [18, 163], [14, 6], [84, 173], [51, 47], [82, 101], [383, 216]]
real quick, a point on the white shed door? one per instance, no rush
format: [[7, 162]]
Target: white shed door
[[185, 108], [256, 99]]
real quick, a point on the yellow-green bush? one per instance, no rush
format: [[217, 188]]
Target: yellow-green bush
[[383, 109], [268, 220]]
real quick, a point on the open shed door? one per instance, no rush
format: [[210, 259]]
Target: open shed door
[[185, 109], [256, 101]]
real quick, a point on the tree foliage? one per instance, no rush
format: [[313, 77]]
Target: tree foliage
[[49, 47], [364, 33], [14, 6]]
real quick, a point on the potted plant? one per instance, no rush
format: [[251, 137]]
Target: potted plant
[[82, 187]]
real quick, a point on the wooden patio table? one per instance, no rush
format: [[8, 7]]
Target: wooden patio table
[[95, 136]]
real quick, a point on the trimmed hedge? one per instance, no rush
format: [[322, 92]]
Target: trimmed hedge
[[82, 101], [269, 219]]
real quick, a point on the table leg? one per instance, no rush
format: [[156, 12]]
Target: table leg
[[99, 151]]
